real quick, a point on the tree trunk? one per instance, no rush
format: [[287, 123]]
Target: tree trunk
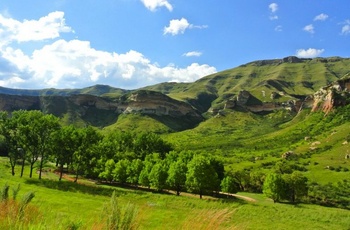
[[31, 169], [61, 172], [41, 166], [76, 175], [13, 170], [22, 169]]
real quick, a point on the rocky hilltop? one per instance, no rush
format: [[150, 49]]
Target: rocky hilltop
[[94, 109]]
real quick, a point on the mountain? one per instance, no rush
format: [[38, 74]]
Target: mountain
[[260, 87]]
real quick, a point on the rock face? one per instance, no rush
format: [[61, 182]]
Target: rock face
[[87, 106], [335, 94]]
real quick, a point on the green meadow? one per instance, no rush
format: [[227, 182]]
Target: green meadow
[[67, 205]]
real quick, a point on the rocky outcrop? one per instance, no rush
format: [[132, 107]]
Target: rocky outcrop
[[83, 105], [335, 94]]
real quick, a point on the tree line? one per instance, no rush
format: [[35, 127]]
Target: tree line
[[33, 139]]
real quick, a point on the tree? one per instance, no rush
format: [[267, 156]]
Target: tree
[[201, 176], [274, 186], [35, 131], [8, 129], [84, 157], [120, 171], [158, 175], [134, 171], [65, 142], [296, 186], [107, 174], [177, 176], [147, 143], [228, 185]]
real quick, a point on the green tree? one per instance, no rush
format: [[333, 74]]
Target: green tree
[[120, 172], [274, 187], [147, 143], [84, 158], [201, 176], [229, 185], [296, 186], [177, 176], [107, 174], [158, 175], [8, 129], [65, 142], [134, 171]]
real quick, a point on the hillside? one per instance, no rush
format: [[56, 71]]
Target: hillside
[[260, 87]]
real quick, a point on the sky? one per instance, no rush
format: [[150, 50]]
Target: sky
[[135, 43]]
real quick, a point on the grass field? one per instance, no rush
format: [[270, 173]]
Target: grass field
[[65, 205]]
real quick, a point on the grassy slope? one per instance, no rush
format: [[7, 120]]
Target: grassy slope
[[62, 204]]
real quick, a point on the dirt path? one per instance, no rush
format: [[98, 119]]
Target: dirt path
[[246, 198]]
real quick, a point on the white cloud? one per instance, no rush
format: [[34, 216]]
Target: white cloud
[[48, 27], [177, 26], [273, 17], [273, 7], [153, 5], [321, 17], [309, 28], [71, 64], [278, 28], [346, 28], [192, 54], [309, 53]]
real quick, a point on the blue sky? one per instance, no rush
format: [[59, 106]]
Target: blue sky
[[134, 43]]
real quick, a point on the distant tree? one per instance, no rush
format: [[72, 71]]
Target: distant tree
[[274, 187], [296, 186], [201, 176], [147, 143], [229, 185], [120, 171], [84, 157], [257, 178], [177, 176], [134, 171], [107, 174], [158, 175]]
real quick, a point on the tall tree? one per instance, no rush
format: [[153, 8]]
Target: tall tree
[[177, 176], [134, 171], [229, 185], [201, 176], [83, 156], [120, 172], [65, 142], [8, 129], [274, 186], [158, 175]]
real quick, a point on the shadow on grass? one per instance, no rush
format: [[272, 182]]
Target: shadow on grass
[[69, 186]]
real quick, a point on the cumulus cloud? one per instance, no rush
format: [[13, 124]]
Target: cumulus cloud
[[273, 7], [346, 28], [309, 53], [153, 5], [192, 54], [48, 27], [179, 26], [75, 63], [309, 28], [321, 17]]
